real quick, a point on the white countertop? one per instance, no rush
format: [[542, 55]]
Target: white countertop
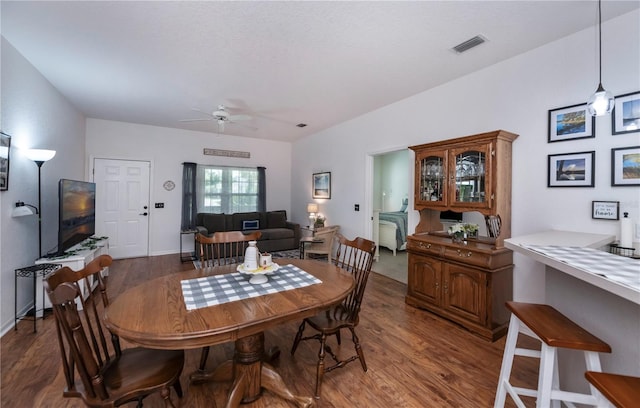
[[523, 244]]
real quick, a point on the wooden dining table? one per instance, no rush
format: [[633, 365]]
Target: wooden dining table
[[154, 315]]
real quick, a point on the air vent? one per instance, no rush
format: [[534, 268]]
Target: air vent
[[469, 44]]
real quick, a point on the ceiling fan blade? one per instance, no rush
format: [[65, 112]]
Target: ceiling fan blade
[[239, 117], [243, 125], [203, 112], [195, 120]]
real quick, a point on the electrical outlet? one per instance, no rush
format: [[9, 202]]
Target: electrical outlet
[[159, 205]]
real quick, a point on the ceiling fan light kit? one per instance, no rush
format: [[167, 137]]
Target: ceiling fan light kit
[[602, 101], [221, 116]]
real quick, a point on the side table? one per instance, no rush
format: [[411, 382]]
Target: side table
[[33, 272], [307, 240], [188, 256]]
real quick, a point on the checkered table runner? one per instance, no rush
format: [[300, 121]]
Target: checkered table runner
[[614, 267], [218, 289]]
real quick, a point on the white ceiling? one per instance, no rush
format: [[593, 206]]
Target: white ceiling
[[319, 63]]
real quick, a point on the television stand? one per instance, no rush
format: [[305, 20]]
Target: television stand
[[76, 258]]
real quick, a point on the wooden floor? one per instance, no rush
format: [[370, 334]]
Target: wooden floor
[[415, 359]]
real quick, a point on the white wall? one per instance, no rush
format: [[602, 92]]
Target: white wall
[[514, 95], [395, 185], [36, 116], [167, 149]]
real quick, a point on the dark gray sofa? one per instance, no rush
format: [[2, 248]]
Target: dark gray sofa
[[278, 234]]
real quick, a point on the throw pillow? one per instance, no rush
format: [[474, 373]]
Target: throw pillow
[[251, 225], [277, 219]]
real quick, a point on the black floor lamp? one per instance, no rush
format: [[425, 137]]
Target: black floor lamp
[[39, 156]]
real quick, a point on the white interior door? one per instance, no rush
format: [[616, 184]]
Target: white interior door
[[122, 205]]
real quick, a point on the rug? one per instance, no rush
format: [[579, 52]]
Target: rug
[[291, 253]]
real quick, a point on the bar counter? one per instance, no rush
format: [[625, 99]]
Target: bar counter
[[602, 303]]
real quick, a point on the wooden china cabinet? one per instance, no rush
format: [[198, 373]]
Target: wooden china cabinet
[[469, 282]]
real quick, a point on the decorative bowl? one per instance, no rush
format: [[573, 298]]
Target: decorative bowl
[[258, 276]]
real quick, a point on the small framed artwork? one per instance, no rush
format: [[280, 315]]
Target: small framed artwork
[[571, 170], [605, 210], [625, 166], [321, 185], [5, 146], [571, 123], [625, 117]]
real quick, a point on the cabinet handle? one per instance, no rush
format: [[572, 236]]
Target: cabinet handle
[[468, 254], [423, 245], [446, 287]]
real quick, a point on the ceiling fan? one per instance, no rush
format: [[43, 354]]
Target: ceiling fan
[[222, 117]]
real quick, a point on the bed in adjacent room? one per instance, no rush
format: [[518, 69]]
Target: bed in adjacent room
[[392, 229]]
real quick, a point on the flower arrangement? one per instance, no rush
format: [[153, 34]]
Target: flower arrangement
[[461, 230], [319, 221]]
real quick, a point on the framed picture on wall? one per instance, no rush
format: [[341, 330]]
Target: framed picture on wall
[[625, 117], [625, 166], [5, 146], [571, 123], [605, 210], [321, 185], [571, 170]]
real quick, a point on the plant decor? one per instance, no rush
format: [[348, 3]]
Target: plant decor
[[462, 230]]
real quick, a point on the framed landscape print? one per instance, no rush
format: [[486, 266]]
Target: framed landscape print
[[625, 166], [570, 123], [625, 117], [571, 170], [321, 185], [5, 146]]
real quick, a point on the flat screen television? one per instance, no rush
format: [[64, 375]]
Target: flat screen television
[[77, 216]]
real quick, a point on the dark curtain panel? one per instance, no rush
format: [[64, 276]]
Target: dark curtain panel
[[189, 207], [262, 189]]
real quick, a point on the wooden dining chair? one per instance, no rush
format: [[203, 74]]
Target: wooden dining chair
[[356, 257], [325, 236], [223, 248], [108, 375]]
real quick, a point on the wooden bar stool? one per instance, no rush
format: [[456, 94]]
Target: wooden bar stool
[[554, 330], [615, 390]]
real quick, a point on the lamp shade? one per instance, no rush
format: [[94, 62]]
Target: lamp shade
[[40, 155], [22, 210], [312, 208]]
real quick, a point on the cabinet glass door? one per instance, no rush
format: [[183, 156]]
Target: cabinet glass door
[[432, 168], [470, 179]]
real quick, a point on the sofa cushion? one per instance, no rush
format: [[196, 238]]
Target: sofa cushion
[[214, 222], [276, 233], [276, 219]]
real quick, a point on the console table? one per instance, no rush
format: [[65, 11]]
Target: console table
[[600, 302], [76, 258]]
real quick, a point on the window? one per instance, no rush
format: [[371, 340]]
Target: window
[[227, 190]]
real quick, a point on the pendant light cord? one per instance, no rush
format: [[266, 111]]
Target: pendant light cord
[[600, 39]]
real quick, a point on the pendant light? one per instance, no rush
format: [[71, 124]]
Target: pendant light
[[601, 102]]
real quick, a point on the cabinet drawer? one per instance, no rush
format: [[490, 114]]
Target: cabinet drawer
[[424, 247], [468, 256]]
